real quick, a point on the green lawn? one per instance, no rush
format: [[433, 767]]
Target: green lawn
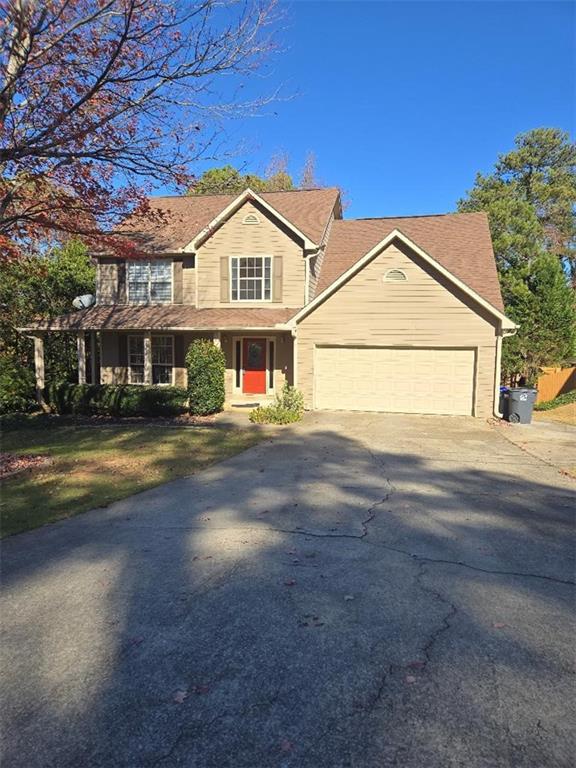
[[94, 466]]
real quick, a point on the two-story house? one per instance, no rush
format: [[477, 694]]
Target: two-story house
[[391, 314]]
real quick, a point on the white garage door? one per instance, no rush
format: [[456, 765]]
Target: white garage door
[[391, 379]]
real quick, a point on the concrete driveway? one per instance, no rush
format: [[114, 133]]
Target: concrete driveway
[[362, 591]]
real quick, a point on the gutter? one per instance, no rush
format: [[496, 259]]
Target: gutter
[[503, 333]]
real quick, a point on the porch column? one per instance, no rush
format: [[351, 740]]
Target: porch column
[[93, 362], [217, 339], [39, 369], [148, 358], [81, 344]]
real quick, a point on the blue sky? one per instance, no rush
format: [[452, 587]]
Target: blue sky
[[402, 102]]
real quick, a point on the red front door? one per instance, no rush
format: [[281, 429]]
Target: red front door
[[254, 364]]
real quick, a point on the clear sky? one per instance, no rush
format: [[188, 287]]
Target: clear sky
[[402, 102]]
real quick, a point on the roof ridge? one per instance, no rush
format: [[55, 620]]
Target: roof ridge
[[237, 194], [415, 216]]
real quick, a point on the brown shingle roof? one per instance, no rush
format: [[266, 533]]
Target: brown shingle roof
[[183, 218], [460, 242], [173, 317]]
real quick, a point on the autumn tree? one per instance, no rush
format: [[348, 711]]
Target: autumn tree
[[99, 99]]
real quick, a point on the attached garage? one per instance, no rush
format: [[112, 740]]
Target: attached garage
[[405, 380], [398, 333]]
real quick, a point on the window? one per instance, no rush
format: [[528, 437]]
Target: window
[[149, 282], [162, 359], [136, 359], [251, 278], [395, 276]]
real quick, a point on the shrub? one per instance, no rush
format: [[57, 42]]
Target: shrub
[[115, 400], [287, 408], [548, 405], [17, 387], [206, 368]]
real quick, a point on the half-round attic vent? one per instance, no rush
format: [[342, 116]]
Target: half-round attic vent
[[251, 218], [395, 276]]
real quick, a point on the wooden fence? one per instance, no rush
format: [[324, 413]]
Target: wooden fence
[[555, 381]]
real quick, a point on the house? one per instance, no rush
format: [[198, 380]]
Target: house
[[390, 314]]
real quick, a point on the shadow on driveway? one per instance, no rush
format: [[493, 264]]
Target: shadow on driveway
[[328, 598]]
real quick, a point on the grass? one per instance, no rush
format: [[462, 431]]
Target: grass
[[562, 409], [565, 399], [95, 466]]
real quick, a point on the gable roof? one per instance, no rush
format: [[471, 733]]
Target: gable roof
[[396, 236], [459, 242], [176, 221]]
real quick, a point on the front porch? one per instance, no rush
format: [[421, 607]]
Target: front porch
[[258, 362]]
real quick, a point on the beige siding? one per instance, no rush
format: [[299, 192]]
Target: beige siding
[[315, 263], [111, 371], [422, 312], [234, 238], [188, 281], [107, 282]]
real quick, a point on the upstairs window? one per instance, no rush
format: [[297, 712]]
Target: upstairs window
[[251, 278], [150, 282]]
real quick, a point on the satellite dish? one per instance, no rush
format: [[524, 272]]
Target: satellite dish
[[83, 302]]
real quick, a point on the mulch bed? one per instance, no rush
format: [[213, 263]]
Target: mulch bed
[[12, 464]]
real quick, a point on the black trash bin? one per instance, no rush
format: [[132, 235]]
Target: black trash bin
[[519, 404], [503, 402]]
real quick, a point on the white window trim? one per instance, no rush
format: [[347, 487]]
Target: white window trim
[[152, 337], [171, 337], [129, 365], [239, 390], [150, 303], [252, 301]]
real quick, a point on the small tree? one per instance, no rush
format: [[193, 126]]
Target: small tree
[[206, 367]]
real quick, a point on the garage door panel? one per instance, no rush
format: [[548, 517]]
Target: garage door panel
[[423, 380]]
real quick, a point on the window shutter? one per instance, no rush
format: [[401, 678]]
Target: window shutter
[[224, 279], [179, 360], [121, 295], [277, 279], [122, 350], [177, 286]]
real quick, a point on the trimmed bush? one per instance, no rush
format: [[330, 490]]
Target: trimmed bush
[[286, 409], [115, 400], [206, 368]]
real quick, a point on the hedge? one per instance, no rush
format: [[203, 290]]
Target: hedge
[[206, 368], [115, 400]]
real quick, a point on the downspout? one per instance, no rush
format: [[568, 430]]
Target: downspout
[[497, 367], [294, 357]]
